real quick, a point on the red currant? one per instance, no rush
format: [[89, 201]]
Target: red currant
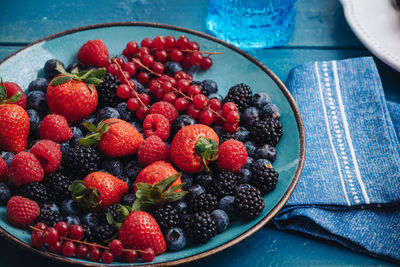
[[137, 62], [95, 254], [119, 60], [126, 53], [56, 247], [176, 55], [132, 48], [183, 85], [68, 248], [194, 90], [62, 228], [145, 98], [170, 97], [143, 51], [200, 101], [132, 103], [160, 93], [170, 42], [228, 107], [167, 87], [82, 251], [154, 85], [143, 77], [193, 46], [231, 128], [146, 42], [50, 235], [159, 42], [123, 91], [196, 58], [215, 104], [37, 239], [219, 119], [206, 117], [192, 111], [147, 60], [161, 55], [158, 67], [206, 63], [148, 255], [232, 117], [76, 232], [183, 75], [181, 104], [123, 76], [116, 247], [39, 225], [131, 255], [141, 112], [186, 62], [107, 256], [130, 67], [182, 42], [113, 69]]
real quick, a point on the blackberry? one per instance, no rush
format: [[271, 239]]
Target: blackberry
[[201, 85], [264, 177], [88, 235], [102, 232], [241, 95], [166, 217], [57, 185], [107, 91], [226, 136], [80, 160], [248, 203], [50, 217], [203, 202], [34, 190], [200, 227], [117, 215], [266, 132], [224, 184]]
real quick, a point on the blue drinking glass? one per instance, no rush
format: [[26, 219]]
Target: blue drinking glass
[[251, 23]]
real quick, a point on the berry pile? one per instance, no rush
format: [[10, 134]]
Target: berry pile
[[111, 158]]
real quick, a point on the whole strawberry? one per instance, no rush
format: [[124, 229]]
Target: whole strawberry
[[25, 168], [48, 153], [94, 53], [21, 212], [151, 150], [98, 189], [115, 137], [156, 172], [14, 123], [55, 127], [74, 95], [232, 155], [140, 231], [12, 89], [193, 147]]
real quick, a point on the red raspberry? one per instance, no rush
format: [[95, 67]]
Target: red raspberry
[[156, 124], [3, 170], [153, 149], [166, 109], [25, 168], [55, 127], [94, 53], [48, 153], [232, 155], [21, 212], [12, 89]]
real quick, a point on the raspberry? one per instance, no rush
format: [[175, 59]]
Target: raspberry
[[21, 211], [94, 53], [232, 155], [55, 127], [156, 124], [25, 168], [166, 109], [153, 149], [3, 170], [48, 153]]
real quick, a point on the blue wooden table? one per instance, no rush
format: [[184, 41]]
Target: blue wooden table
[[321, 33]]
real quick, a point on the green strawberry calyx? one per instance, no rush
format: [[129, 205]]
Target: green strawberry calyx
[[3, 95], [207, 149], [118, 218], [85, 197], [90, 77], [148, 195], [97, 132]]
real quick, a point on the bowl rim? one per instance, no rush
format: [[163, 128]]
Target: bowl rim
[[235, 240]]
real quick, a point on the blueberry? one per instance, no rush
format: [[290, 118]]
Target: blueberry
[[50, 68], [261, 99], [70, 207], [171, 67], [7, 156], [139, 87], [113, 166], [34, 123], [218, 129], [50, 206], [266, 152], [124, 113], [242, 186], [64, 147], [181, 206], [250, 147], [102, 170], [217, 96], [227, 204], [204, 179], [242, 134], [77, 134], [132, 169], [180, 122], [37, 101], [90, 219], [262, 162], [72, 66], [176, 239], [72, 219], [221, 219], [188, 180], [138, 126], [128, 199], [249, 116], [249, 161], [125, 179], [107, 113], [270, 111], [91, 119], [195, 190], [210, 87], [5, 194], [40, 84], [245, 175]]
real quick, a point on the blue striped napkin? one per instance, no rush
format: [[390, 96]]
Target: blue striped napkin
[[349, 190]]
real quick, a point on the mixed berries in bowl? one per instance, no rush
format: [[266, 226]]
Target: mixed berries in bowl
[[122, 158]]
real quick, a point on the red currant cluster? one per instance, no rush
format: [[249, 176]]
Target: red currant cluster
[[66, 240]]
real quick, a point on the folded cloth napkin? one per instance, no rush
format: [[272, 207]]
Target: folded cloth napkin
[[349, 190]]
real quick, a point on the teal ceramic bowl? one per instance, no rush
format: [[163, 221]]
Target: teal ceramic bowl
[[232, 67]]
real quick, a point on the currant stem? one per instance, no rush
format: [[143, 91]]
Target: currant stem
[[145, 67], [203, 52]]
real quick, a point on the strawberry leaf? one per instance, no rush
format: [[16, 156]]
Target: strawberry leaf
[[60, 68], [90, 126], [87, 142], [82, 73], [176, 196], [99, 74], [143, 186], [92, 80], [60, 80], [91, 87], [164, 184], [75, 70], [14, 98], [3, 91], [174, 188]]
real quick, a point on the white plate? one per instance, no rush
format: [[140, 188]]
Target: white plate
[[377, 24]]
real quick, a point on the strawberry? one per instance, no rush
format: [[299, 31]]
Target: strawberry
[[55, 127], [232, 155], [25, 168], [12, 89], [14, 123], [193, 147], [94, 53], [48, 153], [98, 189], [140, 231], [21, 212], [74, 95], [3, 170], [116, 138], [156, 172]]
